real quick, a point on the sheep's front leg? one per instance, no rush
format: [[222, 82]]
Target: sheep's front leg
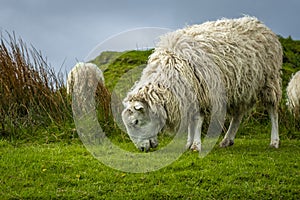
[[233, 128], [194, 133]]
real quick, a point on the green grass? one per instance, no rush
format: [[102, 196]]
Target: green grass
[[121, 64], [247, 170]]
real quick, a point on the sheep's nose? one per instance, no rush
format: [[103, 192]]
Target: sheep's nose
[[142, 148]]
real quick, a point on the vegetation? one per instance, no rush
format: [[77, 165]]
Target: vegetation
[[248, 170], [32, 96], [121, 65], [42, 156], [105, 58]]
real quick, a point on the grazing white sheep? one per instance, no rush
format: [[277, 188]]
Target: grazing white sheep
[[88, 70], [185, 74], [293, 94]]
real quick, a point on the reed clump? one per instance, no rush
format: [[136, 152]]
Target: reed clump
[[32, 95]]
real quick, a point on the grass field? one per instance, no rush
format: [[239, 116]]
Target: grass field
[[247, 170]]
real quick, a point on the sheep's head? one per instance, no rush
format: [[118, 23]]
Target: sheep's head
[[142, 124]]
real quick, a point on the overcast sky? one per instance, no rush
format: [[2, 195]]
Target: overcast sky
[[66, 31]]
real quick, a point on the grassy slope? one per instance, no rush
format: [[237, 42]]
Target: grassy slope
[[248, 170], [121, 63], [105, 58]]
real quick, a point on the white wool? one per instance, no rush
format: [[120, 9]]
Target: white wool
[[293, 94], [236, 61], [87, 70]]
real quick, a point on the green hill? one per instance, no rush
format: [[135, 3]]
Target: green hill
[[105, 58], [119, 63]]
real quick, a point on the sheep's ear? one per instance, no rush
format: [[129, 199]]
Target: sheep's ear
[[138, 106]]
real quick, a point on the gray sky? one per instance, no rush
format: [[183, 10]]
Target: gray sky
[[66, 31]]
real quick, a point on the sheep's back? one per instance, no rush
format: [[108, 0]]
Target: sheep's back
[[248, 54]]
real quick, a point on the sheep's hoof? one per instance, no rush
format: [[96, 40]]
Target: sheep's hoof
[[274, 144], [188, 145], [196, 146], [226, 143]]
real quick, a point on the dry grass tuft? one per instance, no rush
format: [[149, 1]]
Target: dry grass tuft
[[31, 93]]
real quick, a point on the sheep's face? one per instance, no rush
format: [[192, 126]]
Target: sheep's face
[[142, 125]]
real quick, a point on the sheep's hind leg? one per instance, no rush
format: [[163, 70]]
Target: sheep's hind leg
[[232, 130], [274, 132], [194, 133]]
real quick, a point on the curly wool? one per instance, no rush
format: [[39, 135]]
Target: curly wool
[[87, 70], [293, 94], [236, 61]]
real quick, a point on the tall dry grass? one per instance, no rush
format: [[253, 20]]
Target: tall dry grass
[[32, 95]]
